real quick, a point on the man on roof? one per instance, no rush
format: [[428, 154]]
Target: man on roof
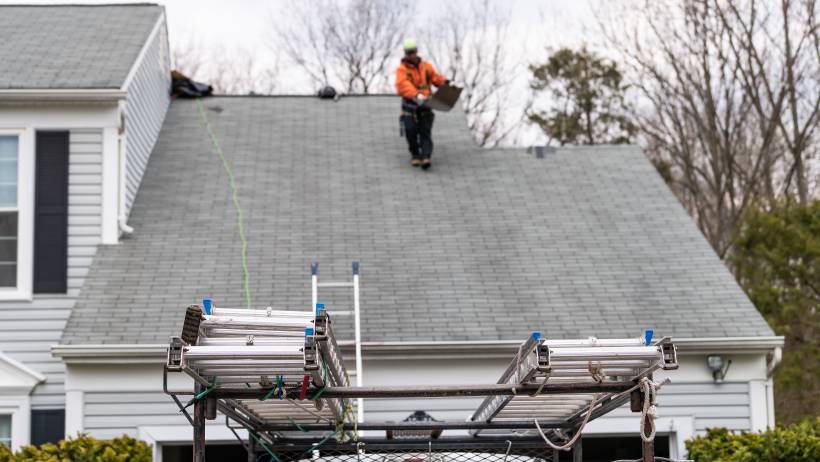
[[414, 78]]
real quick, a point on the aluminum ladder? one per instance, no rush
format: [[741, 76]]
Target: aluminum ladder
[[315, 286]]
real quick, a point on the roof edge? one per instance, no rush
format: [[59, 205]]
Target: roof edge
[[34, 375], [156, 353], [72, 95], [161, 21], [51, 5]]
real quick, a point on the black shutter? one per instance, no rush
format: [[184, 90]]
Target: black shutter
[[51, 213], [47, 426]]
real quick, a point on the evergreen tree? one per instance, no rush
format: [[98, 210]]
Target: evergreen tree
[[586, 94]]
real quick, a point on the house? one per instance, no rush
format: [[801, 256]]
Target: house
[[458, 264], [83, 94]]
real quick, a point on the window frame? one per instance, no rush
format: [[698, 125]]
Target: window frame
[[25, 216], [10, 439]]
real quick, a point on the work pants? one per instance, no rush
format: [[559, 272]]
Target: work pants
[[418, 129]]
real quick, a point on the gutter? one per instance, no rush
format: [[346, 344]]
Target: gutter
[[66, 95], [156, 353]]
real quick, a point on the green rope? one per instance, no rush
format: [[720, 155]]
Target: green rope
[[240, 216], [322, 441], [264, 446], [296, 424], [205, 392], [269, 394], [318, 394]]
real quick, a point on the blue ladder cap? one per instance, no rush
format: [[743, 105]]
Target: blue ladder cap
[[355, 268], [207, 304], [314, 268], [648, 336], [308, 331], [536, 335]]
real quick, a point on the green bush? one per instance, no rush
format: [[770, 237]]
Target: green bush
[[5, 454], [84, 449], [795, 443]]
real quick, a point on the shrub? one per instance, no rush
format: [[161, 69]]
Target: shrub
[[5, 454], [85, 448], [796, 443]]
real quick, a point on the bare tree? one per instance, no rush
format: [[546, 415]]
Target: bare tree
[[348, 45], [234, 71], [778, 51], [469, 43], [696, 116]]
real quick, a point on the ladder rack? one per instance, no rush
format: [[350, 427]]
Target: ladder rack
[[540, 362], [268, 352], [281, 376]]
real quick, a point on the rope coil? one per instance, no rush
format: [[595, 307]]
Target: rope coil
[[568, 445]]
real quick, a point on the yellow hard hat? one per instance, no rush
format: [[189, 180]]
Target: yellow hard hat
[[409, 44]]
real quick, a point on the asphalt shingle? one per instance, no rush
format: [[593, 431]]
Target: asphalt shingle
[[488, 245], [71, 46]]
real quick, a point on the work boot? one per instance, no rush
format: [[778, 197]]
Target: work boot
[[426, 163], [415, 162]]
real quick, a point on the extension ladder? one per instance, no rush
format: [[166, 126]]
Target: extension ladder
[[540, 361], [354, 284]]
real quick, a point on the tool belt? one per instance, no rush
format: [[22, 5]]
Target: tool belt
[[409, 108]]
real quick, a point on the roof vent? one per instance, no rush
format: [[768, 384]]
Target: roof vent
[[542, 152]]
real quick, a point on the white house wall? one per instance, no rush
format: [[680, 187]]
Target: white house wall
[[28, 328], [146, 104]]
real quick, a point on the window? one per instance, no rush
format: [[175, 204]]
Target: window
[[9, 209], [47, 426], [5, 430]]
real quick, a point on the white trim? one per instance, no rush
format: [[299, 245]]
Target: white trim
[[157, 435], [35, 376], [678, 428], [770, 403], [19, 407], [72, 95], [758, 407], [74, 412], [104, 354], [153, 353], [143, 51], [110, 186], [25, 214]]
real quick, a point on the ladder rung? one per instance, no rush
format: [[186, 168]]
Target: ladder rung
[[340, 313], [334, 284]]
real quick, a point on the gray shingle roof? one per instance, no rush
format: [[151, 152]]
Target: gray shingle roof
[[487, 245], [54, 46]]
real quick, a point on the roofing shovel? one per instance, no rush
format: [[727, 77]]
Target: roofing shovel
[[444, 98]]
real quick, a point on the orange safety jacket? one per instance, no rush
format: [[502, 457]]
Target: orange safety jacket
[[414, 79]]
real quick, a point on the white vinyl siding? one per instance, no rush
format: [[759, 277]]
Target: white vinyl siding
[[146, 104], [28, 329], [107, 415]]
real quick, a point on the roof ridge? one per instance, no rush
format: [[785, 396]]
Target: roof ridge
[[49, 5], [306, 95]]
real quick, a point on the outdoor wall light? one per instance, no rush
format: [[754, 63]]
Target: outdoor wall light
[[718, 366]]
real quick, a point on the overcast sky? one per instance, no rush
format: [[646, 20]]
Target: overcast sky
[[535, 26]]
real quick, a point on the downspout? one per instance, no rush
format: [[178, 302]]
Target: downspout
[[773, 358], [122, 218]]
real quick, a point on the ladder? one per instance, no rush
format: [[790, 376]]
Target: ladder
[[541, 361], [315, 286]]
